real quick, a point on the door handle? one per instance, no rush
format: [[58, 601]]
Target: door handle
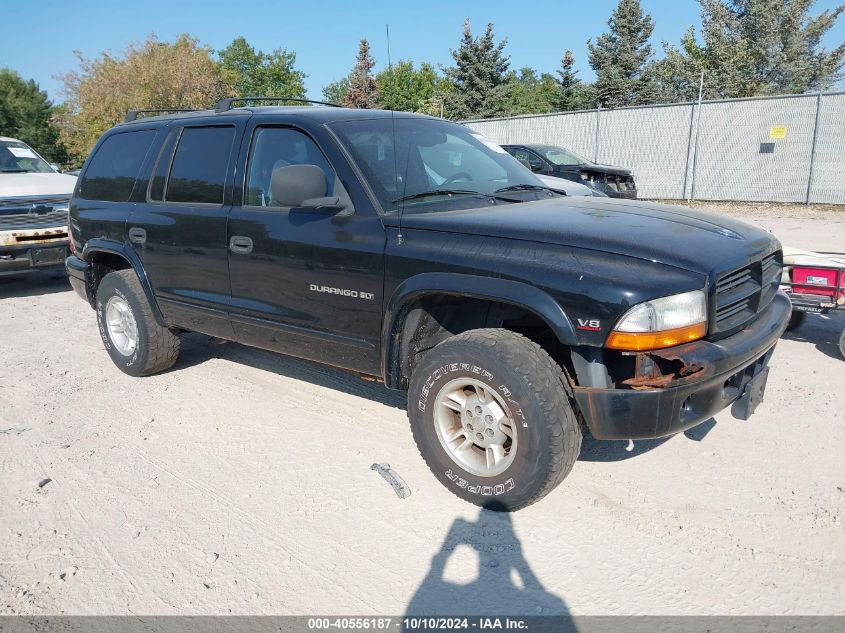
[[240, 244], [137, 235]]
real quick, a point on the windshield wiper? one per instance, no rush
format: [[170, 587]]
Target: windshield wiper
[[524, 187], [438, 192], [15, 171]]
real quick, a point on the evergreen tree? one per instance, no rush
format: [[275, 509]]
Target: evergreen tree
[[568, 84], [479, 76], [26, 114], [752, 48], [620, 56], [362, 85]]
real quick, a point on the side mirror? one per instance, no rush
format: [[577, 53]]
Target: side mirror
[[293, 185], [537, 167], [56, 167]]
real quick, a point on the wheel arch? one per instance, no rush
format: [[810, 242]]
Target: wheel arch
[[105, 256], [522, 296]]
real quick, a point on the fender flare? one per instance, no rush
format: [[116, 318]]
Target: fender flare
[[516, 293], [113, 247]]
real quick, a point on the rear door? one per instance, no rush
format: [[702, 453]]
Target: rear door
[[180, 229], [306, 282]]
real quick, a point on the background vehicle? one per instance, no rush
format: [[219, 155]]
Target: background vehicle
[[815, 282], [33, 209], [416, 251], [615, 182]]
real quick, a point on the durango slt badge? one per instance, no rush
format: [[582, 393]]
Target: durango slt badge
[[343, 292]]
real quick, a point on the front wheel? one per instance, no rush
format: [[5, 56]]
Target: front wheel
[[136, 343], [492, 419]]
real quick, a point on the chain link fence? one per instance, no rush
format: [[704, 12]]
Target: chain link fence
[[768, 149]]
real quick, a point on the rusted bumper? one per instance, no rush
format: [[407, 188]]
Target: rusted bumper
[[707, 377], [17, 256]]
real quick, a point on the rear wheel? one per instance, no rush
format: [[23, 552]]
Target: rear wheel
[[492, 419], [796, 320], [136, 343]]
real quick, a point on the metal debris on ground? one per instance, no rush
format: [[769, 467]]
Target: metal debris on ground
[[390, 476], [44, 482]]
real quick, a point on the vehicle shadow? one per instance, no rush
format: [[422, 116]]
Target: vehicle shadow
[[34, 283], [505, 584], [823, 331], [197, 349]]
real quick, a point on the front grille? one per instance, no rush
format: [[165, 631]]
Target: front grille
[[741, 294], [33, 221], [26, 202]]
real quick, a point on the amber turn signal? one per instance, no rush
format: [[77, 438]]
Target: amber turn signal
[[641, 341]]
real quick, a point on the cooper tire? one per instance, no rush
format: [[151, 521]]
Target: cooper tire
[[795, 320], [151, 348], [529, 386]]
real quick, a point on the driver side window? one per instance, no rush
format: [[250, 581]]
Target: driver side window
[[274, 148]]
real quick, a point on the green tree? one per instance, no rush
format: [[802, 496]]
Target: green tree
[[363, 92], [752, 48], [528, 93], [620, 56], [480, 76], [152, 74], [568, 84], [26, 114], [336, 91], [405, 88], [260, 74]]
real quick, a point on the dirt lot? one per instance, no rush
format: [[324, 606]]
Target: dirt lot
[[240, 482]]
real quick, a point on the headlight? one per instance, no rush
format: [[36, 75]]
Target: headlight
[[660, 323]]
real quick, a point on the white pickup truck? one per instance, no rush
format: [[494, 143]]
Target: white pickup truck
[[33, 209]]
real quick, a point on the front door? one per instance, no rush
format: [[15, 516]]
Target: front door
[[305, 282], [180, 229]]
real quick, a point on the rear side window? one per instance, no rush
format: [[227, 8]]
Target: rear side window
[[199, 165], [114, 168]]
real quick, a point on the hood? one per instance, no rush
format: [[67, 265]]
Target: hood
[[611, 170], [570, 187], [33, 184], [692, 240]]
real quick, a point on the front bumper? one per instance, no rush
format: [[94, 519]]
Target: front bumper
[[712, 376], [30, 256]]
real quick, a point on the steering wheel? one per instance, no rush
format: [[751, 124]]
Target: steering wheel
[[461, 175]]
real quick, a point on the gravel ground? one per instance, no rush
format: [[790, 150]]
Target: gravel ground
[[240, 482]]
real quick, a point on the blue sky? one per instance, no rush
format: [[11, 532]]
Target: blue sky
[[39, 37]]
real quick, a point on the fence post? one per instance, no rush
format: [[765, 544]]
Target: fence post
[[689, 149], [697, 135], [813, 147], [596, 139]]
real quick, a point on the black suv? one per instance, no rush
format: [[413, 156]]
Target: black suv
[[615, 182], [413, 250]]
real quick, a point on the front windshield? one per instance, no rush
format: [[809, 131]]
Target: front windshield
[[409, 160], [560, 156], [17, 157]]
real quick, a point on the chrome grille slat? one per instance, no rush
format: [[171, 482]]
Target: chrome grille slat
[[31, 220]]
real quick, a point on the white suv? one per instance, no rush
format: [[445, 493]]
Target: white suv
[[33, 209]]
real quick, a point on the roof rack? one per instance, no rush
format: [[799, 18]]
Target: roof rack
[[224, 105], [132, 115]]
